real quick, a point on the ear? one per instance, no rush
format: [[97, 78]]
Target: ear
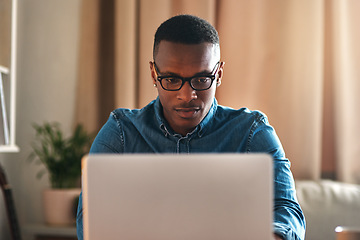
[[152, 72], [220, 74]]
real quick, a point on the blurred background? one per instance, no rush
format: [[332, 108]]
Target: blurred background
[[296, 61]]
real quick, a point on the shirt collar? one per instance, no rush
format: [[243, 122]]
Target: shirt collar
[[200, 129], [206, 122], [164, 127]]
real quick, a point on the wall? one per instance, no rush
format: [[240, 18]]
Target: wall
[[46, 84]]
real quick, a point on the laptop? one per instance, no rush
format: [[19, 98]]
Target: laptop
[[177, 196]]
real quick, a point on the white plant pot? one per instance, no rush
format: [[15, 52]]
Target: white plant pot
[[59, 205]]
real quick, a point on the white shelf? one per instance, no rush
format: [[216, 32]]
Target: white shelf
[[4, 70], [9, 148]]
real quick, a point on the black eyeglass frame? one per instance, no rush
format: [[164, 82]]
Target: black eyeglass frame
[[187, 79]]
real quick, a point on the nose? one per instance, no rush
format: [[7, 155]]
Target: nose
[[186, 93]]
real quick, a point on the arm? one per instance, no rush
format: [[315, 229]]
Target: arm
[[289, 221], [108, 140]]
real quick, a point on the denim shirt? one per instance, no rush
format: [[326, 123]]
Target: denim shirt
[[222, 130]]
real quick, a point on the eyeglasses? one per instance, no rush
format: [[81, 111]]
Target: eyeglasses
[[200, 82]]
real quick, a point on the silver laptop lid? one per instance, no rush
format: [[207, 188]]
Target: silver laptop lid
[[177, 197]]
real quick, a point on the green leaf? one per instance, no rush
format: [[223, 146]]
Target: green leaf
[[61, 156]]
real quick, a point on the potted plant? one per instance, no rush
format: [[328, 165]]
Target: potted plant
[[61, 158]]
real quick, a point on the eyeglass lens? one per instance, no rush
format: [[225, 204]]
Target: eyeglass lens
[[198, 83]]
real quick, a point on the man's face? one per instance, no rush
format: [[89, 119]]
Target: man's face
[[186, 108]]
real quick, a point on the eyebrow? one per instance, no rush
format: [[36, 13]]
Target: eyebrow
[[168, 73]]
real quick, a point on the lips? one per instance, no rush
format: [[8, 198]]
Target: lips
[[187, 112]]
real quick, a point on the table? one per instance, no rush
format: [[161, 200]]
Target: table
[[45, 232], [347, 233]]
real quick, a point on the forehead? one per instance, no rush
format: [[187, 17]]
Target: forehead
[[172, 55]]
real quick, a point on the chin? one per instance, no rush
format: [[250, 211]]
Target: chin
[[190, 127]]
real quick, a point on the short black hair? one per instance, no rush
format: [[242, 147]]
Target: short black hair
[[186, 29]]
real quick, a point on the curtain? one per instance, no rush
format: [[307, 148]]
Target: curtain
[[297, 61]]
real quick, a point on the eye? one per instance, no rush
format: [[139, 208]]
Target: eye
[[201, 80], [172, 80]]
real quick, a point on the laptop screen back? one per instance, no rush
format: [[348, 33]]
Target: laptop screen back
[[177, 197]]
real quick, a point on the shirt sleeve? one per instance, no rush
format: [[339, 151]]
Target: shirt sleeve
[[289, 220], [108, 140]]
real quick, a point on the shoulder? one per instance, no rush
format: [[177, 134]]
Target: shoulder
[[121, 115], [242, 114], [122, 122]]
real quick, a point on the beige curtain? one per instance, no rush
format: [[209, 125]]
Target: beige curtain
[[344, 74], [297, 61]]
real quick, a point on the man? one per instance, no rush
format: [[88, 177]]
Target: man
[[186, 118]]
